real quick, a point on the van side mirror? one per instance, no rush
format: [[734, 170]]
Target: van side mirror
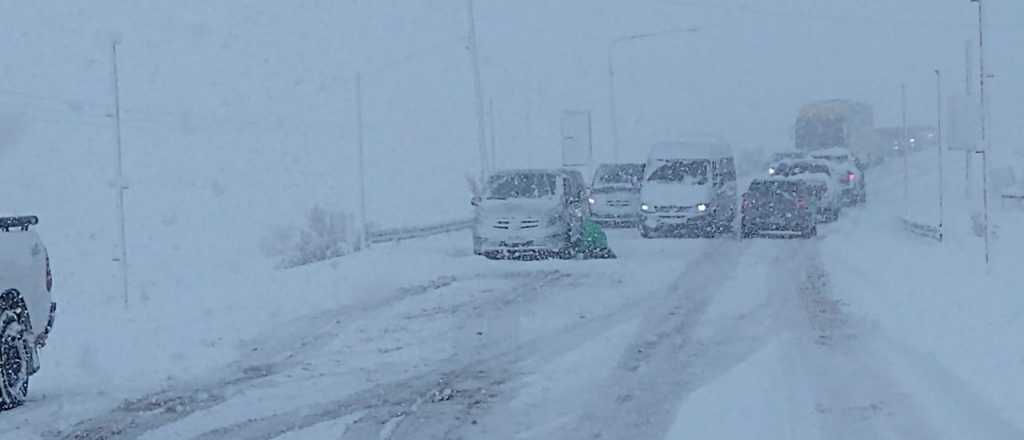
[[475, 201]]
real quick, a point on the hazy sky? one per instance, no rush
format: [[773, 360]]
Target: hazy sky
[[262, 91]]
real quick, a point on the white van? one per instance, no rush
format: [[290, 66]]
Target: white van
[[689, 188]]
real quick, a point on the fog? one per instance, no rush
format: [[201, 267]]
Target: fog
[[270, 82]]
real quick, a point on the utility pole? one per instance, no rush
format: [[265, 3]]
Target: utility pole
[[121, 184], [363, 233], [985, 146], [494, 144], [481, 135], [904, 147], [938, 124], [612, 109], [969, 89]]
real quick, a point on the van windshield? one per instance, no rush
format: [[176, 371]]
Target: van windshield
[[521, 186], [619, 175], [681, 171]]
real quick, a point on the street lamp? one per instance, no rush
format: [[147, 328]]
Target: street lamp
[[984, 146], [938, 129], [613, 111]]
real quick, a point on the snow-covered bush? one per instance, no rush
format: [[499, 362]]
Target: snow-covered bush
[[326, 234]]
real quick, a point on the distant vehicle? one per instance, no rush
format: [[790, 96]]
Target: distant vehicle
[[780, 206], [27, 308], [839, 123], [849, 173], [818, 174], [784, 155], [615, 194], [689, 188], [535, 213], [917, 137]]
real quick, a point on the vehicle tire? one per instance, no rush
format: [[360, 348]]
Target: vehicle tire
[[645, 232], [810, 232], [491, 255], [14, 350]]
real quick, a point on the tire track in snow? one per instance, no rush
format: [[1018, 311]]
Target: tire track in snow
[[855, 396], [438, 403], [669, 360], [137, 416], [859, 393]]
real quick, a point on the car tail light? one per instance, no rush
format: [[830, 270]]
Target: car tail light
[[747, 202], [800, 203], [850, 177], [49, 275]]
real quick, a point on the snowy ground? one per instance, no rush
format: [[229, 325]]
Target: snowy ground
[[866, 332]]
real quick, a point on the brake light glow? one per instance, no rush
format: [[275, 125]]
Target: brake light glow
[[850, 177], [800, 203]]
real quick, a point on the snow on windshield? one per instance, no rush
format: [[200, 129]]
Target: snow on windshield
[[681, 171], [624, 174], [521, 186]]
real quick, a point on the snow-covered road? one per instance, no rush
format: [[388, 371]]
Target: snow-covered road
[[675, 339]]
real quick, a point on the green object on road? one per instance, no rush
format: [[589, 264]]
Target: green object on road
[[595, 242]]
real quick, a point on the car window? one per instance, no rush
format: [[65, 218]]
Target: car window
[[618, 174], [517, 186], [680, 171]]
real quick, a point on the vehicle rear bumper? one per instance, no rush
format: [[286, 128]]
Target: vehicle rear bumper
[[777, 227]]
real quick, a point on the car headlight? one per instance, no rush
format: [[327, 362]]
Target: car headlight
[[771, 171], [591, 200], [702, 207], [646, 208]]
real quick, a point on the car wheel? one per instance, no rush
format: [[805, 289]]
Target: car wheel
[[645, 232], [810, 232], [14, 350], [493, 255]]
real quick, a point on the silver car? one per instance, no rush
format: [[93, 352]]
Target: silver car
[[615, 194], [534, 213]]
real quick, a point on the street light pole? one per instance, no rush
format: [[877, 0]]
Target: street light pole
[[904, 143], [121, 185], [364, 239], [985, 146], [938, 123], [478, 89], [612, 109], [611, 102]]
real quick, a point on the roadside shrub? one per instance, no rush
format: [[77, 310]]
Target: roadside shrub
[[326, 234]]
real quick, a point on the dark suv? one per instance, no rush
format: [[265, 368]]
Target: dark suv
[[780, 205]]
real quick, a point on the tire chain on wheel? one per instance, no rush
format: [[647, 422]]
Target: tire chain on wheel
[[13, 315]]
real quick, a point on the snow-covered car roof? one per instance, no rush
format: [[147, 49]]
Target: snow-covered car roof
[[804, 161]]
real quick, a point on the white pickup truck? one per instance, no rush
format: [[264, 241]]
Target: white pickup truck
[[27, 308]]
